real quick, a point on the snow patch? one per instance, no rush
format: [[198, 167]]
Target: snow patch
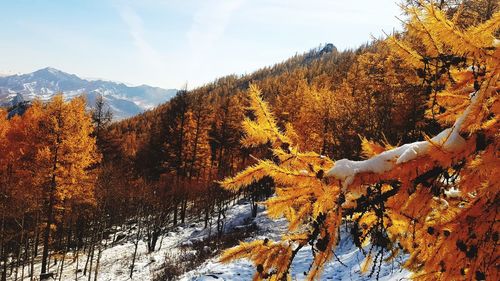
[[346, 267]]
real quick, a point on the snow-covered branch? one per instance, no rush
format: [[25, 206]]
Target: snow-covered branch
[[448, 140]]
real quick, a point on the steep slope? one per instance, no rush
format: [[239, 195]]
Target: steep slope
[[177, 244], [125, 101]]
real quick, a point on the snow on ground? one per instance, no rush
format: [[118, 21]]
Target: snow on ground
[[116, 260], [350, 256]]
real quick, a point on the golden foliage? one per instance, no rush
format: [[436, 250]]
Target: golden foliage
[[369, 148], [263, 128], [436, 200], [52, 149]]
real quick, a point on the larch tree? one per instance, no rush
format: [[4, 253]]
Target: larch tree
[[434, 200], [225, 133], [5, 175], [65, 159], [22, 148], [315, 119], [101, 118], [388, 93], [4, 127], [4, 145], [20, 197], [178, 118], [199, 150]]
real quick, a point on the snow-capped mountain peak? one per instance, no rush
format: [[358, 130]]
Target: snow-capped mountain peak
[[125, 101]]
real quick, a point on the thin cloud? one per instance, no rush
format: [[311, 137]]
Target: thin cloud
[[167, 42], [207, 27], [151, 58], [136, 30]]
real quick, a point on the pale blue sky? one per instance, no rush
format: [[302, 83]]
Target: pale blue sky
[[167, 43]]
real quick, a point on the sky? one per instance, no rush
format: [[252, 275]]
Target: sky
[[171, 43]]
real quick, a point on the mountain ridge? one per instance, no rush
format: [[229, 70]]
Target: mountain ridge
[[124, 101]]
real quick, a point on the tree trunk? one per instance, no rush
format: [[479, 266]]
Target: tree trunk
[[99, 251], [207, 212], [68, 247], [35, 247], [90, 255], [136, 244], [92, 247], [62, 265], [2, 250], [18, 258], [184, 205], [25, 255], [50, 207], [176, 203], [77, 261]]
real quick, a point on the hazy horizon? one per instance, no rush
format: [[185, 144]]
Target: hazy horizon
[[170, 43]]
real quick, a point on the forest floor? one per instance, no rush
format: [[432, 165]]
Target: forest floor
[[347, 267], [181, 245]]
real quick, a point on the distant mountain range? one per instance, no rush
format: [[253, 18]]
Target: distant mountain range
[[124, 101]]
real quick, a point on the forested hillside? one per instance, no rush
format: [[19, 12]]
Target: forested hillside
[[415, 112]]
